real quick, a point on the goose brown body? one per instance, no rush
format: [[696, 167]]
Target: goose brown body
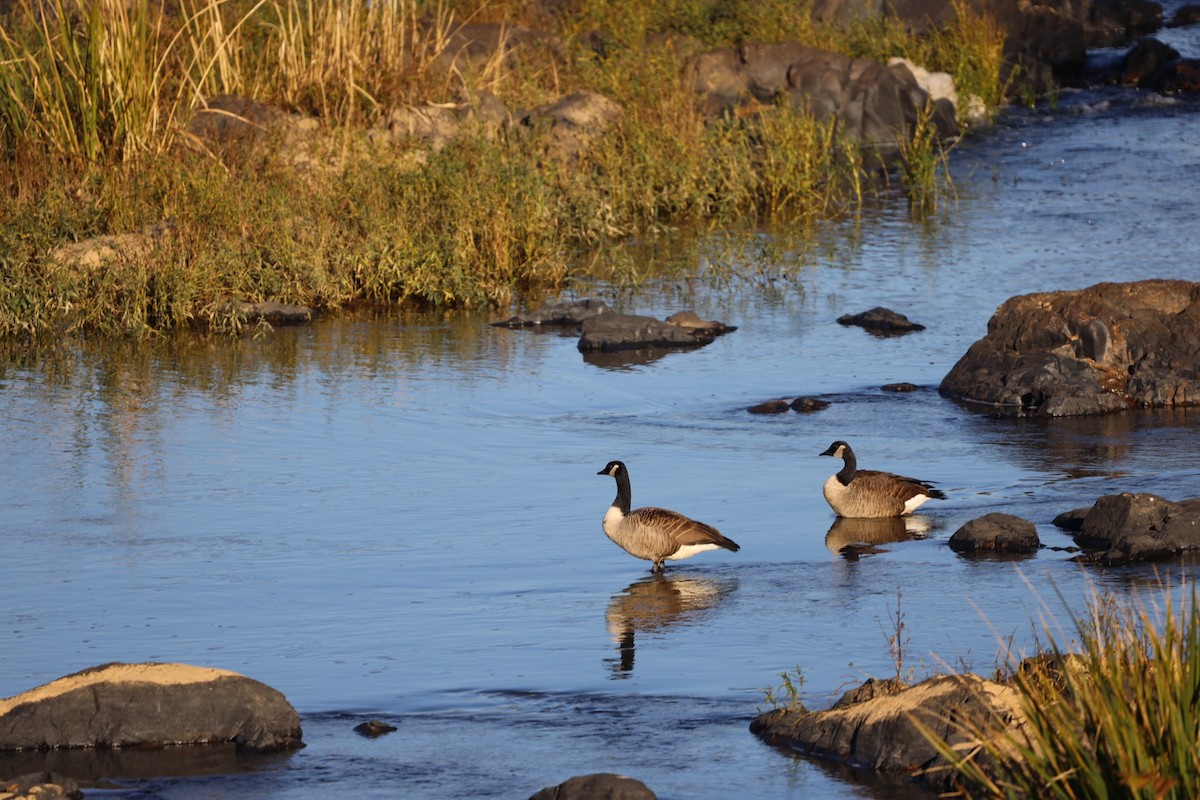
[[656, 534], [867, 493]]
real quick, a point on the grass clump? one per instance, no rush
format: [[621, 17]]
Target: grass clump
[[1116, 715]]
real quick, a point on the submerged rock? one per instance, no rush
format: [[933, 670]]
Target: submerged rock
[[1106, 348], [803, 405], [269, 311], [561, 313], [600, 786], [149, 705], [690, 322], [996, 533], [373, 728], [612, 332], [882, 321]]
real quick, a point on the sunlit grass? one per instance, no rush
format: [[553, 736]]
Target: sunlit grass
[[1113, 713], [96, 96]]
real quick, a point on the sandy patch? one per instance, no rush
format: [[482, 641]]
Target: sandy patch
[[164, 674]]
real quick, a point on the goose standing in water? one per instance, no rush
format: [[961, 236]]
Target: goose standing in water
[[656, 534], [867, 493]]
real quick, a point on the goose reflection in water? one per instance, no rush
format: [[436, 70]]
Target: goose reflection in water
[[852, 538], [655, 603]]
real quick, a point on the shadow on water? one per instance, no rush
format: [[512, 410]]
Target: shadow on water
[[854, 538], [655, 603], [99, 767]]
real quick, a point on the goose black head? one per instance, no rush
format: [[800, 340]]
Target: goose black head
[[612, 468], [837, 449]]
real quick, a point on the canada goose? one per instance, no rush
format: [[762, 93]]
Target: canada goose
[[655, 534], [866, 493]]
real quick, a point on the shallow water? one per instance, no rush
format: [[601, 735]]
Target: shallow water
[[398, 516]]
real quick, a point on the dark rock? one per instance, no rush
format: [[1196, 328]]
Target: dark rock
[[880, 731], [770, 407], [803, 405], [600, 786], [1105, 348], [149, 705], [571, 123], [881, 320], [1172, 77], [899, 387], [610, 332], [40, 786], [1184, 15], [690, 322], [807, 405], [871, 688], [373, 728], [996, 533], [1111, 23], [1072, 520], [269, 311], [1139, 527], [872, 103], [1144, 58], [562, 313]]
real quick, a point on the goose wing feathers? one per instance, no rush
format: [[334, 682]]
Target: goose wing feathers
[[683, 530], [897, 486]]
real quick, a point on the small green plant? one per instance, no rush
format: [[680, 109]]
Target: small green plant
[[789, 695], [925, 166]]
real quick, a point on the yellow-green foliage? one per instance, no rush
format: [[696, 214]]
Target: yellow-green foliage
[[1116, 715], [95, 96]]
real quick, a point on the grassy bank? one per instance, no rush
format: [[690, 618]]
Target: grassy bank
[[1113, 709], [95, 96]]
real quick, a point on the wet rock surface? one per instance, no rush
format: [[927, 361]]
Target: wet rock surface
[[614, 332], [881, 321], [1106, 348], [875, 725], [600, 786], [149, 705], [996, 533], [561, 313], [802, 405], [1139, 527]]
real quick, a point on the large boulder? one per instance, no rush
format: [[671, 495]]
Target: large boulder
[[1132, 527], [149, 705], [996, 533], [1106, 348], [878, 725], [873, 104]]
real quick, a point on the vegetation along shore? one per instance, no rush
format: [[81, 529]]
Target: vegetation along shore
[[457, 155]]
